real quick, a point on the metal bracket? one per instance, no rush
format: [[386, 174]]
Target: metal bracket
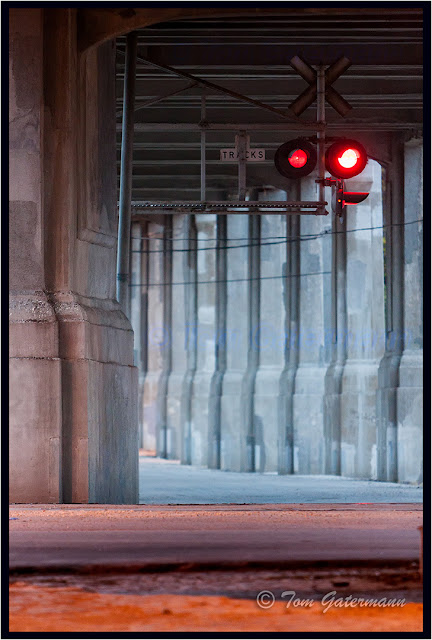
[[327, 182], [233, 207]]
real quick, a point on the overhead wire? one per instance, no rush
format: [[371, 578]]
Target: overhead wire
[[285, 240], [170, 284], [278, 239]]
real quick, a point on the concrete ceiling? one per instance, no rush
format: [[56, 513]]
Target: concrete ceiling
[[250, 55]]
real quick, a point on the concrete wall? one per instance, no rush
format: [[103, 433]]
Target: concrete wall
[[73, 383]]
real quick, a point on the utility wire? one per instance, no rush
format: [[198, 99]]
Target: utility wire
[[195, 282], [305, 235], [278, 239]]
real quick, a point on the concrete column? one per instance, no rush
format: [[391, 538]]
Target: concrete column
[[252, 424], [144, 341], [166, 295], [410, 391], [233, 436], [180, 259], [388, 374], [291, 302], [315, 258], [272, 312], [156, 337], [75, 431], [365, 331], [190, 277], [139, 307], [206, 329], [338, 324], [35, 366], [214, 441]]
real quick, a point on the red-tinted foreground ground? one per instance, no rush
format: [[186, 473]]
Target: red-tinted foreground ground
[[42, 609], [84, 568]]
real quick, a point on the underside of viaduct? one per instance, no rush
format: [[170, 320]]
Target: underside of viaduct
[[268, 342]]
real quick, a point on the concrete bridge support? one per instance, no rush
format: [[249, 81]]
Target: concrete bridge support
[[410, 391], [73, 383], [291, 301], [364, 334], [271, 334], [314, 324], [139, 312], [233, 422], [204, 326], [179, 329], [156, 334], [399, 396]]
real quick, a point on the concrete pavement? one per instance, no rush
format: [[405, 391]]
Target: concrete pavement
[[168, 482]]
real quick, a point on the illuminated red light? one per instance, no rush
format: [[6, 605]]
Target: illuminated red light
[[298, 158], [349, 158], [345, 159]]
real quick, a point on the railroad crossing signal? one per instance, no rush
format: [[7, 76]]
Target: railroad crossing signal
[[309, 74], [343, 159]]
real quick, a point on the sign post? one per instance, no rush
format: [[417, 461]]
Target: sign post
[[242, 144], [241, 154]]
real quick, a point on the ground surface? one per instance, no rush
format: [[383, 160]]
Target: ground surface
[[156, 567], [61, 535], [42, 609], [168, 482]]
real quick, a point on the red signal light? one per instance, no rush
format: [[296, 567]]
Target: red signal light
[[297, 158], [349, 158], [345, 159]]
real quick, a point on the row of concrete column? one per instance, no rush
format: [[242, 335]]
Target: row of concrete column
[[265, 343]]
